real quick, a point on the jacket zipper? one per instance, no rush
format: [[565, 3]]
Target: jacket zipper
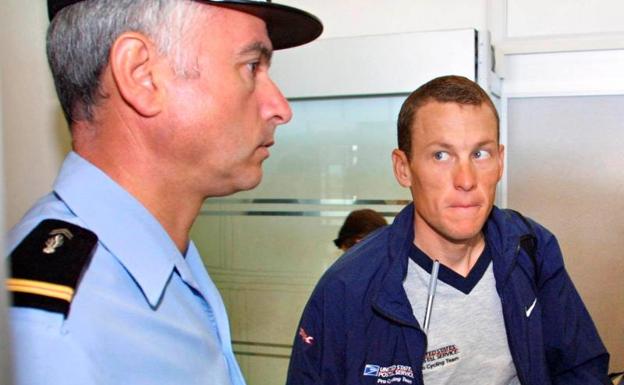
[[520, 374]]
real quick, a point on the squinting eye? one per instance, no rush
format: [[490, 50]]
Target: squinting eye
[[441, 155], [482, 154]]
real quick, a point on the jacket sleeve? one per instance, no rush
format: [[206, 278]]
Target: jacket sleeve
[[318, 350], [574, 352]]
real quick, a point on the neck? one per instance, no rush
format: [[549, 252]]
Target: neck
[[138, 172], [173, 207], [459, 256]]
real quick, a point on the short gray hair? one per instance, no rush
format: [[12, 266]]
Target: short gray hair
[[80, 37]]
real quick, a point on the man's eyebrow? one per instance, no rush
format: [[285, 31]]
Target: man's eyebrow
[[437, 143], [448, 146], [258, 48], [486, 142]]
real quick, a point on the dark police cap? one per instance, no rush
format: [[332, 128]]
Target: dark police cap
[[287, 26]]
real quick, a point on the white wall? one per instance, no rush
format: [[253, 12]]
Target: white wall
[[35, 135], [530, 18], [368, 17], [565, 171]]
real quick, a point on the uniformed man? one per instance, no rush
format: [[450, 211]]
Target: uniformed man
[[169, 102]]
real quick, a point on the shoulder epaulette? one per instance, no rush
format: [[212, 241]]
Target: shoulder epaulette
[[46, 267]]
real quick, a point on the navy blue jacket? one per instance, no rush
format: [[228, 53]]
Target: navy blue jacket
[[358, 326]]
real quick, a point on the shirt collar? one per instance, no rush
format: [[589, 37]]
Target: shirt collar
[[123, 225]]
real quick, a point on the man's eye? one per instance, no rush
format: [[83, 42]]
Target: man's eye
[[441, 155], [253, 67], [482, 154]]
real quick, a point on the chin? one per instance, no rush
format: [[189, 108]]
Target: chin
[[228, 186], [250, 182], [465, 238], [464, 234], [460, 231]]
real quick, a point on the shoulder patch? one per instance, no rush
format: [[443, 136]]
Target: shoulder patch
[[46, 267]]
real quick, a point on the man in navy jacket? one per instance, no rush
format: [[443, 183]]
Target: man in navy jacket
[[455, 291]]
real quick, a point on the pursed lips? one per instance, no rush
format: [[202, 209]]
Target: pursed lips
[[465, 206]]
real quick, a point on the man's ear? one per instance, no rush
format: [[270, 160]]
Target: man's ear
[[401, 167], [135, 66]]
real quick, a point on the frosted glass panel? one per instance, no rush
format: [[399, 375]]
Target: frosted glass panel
[[267, 248], [293, 247], [332, 158], [565, 170], [337, 148]]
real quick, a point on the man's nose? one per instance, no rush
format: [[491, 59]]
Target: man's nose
[[465, 176], [276, 107]]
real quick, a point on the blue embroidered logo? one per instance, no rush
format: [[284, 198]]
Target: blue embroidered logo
[[371, 370], [399, 374]]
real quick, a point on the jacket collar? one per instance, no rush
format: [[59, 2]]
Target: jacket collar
[[502, 231], [391, 300]]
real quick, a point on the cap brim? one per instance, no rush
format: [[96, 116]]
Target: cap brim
[[287, 26], [55, 6]]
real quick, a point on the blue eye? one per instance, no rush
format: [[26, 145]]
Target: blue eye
[[441, 155], [482, 154]]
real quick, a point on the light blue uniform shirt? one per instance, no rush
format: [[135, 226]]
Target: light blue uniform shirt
[[142, 314]]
